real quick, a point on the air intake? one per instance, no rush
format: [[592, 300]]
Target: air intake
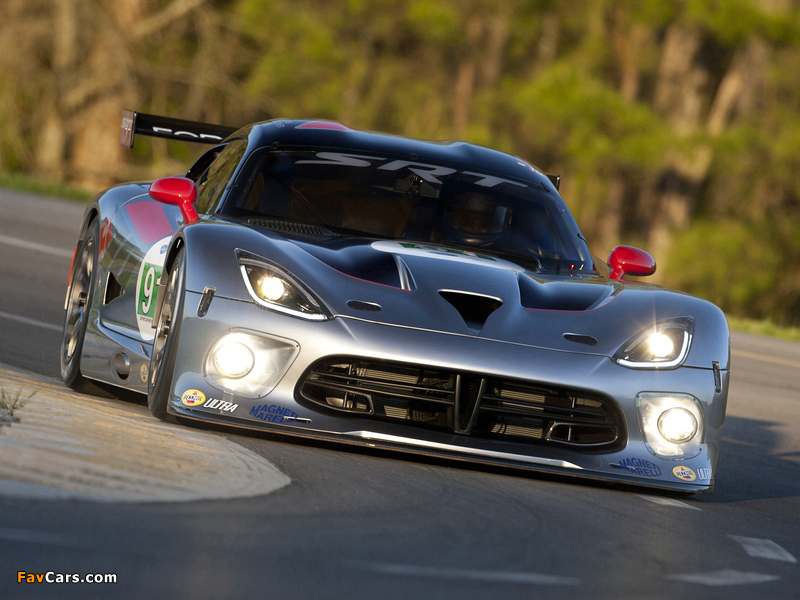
[[479, 405], [473, 308]]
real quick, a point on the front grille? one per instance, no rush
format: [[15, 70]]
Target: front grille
[[465, 403]]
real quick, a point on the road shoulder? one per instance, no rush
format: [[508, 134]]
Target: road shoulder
[[68, 445]]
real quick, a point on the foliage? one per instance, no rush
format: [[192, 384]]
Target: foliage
[[675, 125], [742, 273], [767, 328]]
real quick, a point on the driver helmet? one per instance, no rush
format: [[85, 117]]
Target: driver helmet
[[475, 218]]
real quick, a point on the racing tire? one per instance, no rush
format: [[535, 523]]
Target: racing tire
[[82, 283], [165, 342]]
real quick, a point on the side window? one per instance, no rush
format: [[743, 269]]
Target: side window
[[213, 182], [199, 169]]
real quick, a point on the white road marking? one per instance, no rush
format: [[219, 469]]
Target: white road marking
[[31, 322], [37, 537], [668, 502], [468, 574], [26, 245], [724, 577], [761, 548]]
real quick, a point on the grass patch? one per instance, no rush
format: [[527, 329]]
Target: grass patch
[[11, 402], [767, 328], [23, 183], [8, 404]]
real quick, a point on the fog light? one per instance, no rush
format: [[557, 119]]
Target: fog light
[[677, 425], [248, 363], [233, 359], [672, 424]]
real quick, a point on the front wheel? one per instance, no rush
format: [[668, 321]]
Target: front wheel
[[79, 301], [165, 343]]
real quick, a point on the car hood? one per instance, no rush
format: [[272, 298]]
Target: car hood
[[452, 291]]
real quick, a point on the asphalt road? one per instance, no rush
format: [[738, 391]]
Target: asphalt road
[[364, 524]]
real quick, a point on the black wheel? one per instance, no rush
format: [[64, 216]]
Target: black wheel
[[165, 343], [79, 301]]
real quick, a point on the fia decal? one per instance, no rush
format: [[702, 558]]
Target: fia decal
[[193, 398], [147, 287], [684, 473]]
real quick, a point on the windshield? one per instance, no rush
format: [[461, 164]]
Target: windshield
[[391, 198]]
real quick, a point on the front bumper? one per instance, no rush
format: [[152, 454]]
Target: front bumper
[[279, 410]]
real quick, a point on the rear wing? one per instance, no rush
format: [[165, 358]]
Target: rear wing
[[190, 131], [172, 129]]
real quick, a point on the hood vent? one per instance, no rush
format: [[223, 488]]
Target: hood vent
[[358, 259], [473, 308], [571, 296], [290, 227]]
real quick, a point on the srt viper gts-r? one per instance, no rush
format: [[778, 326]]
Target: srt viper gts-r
[[438, 298]]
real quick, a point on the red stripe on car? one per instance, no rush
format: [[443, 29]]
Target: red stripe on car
[[149, 220]]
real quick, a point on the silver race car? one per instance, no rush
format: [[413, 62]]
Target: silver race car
[[438, 298]]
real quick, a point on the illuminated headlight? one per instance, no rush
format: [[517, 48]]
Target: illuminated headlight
[[672, 424], [663, 346], [271, 288], [275, 289], [677, 425], [247, 363], [233, 359]]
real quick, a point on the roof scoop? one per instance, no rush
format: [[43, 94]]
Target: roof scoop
[[473, 308]]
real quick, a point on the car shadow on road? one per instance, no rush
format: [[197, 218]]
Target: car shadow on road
[[751, 466]]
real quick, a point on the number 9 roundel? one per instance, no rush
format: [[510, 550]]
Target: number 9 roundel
[[147, 287]]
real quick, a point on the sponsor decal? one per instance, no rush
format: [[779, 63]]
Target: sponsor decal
[[271, 413], [425, 171], [189, 134], [703, 473], [640, 467], [147, 287], [222, 405], [127, 122], [684, 473], [193, 398]]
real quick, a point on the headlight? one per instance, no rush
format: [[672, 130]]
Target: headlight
[[275, 289], [663, 346], [247, 363], [672, 424]]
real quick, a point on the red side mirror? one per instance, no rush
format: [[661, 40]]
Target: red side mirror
[[177, 191], [627, 260]]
